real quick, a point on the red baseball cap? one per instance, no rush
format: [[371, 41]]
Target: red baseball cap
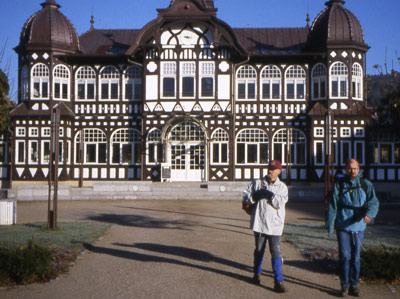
[[275, 164]]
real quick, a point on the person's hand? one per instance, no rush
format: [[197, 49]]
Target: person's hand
[[262, 194], [367, 219]]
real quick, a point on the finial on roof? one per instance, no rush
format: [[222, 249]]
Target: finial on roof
[[331, 2], [91, 22], [50, 3], [308, 20]]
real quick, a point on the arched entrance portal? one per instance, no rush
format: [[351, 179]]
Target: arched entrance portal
[[186, 152]]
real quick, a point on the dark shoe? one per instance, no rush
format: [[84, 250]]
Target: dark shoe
[[279, 287], [343, 291], [256, 279], [354, 291]]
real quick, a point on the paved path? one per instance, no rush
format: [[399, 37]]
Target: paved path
[[178, 249]]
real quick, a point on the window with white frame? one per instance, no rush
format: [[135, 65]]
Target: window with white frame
[[359, 152], [187, 79], [359, 132], [385, 153], [318, 78], [168, 79], [271, 83], [345, 132], [45, 132], [219, 147], [33, 152], [45, 152], [20, 132], [207, 75], [339, 76], [126, 147], [154, 147], [293, 140], [345, 151], [252, 147], [133, 83], [85, 83], [246, 78], [319, 153], [3, 152], [109, 83], [24, 82], [33, 132], [356, 79], [61, 82], [319, 132], [94, 146], [20, 152], [295, 80], [40, 81]]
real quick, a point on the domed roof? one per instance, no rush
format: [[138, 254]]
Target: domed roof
[[336, 26], [49, 29]]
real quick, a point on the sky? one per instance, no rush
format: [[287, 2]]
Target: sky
[[379, 20]]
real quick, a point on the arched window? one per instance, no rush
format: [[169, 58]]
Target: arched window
[[24, 82], [109, 83], [339, 76], [293, 140], [133, 83], [154, 147], [94, 142], [61, 82], [318, 78], [356, 79], [219, 147], [252, 147], [126, 147], [271, 83], [40, 81], [246, 78], [295, 79], [85, 83]]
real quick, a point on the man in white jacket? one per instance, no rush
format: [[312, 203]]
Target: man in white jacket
[[268, 197]]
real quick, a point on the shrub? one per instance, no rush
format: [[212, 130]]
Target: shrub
[[381, 263], [26, 263]]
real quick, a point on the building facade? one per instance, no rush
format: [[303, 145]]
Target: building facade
[[189, 98]]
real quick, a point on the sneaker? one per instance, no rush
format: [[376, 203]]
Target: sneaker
[[354, 291], [279, 287], [256, 279], [343, 291]]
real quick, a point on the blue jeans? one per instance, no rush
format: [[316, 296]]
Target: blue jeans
[[274, 249], [350, 245]]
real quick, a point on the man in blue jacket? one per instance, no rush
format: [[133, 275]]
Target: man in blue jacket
[[352, 206]]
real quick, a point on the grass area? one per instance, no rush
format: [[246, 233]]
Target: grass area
[[69, 235]]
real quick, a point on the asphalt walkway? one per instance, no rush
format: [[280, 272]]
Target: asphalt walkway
[[178, 249]]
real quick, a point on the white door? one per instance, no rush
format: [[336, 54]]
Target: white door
[[187, 162]]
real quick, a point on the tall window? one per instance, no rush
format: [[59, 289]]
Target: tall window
[[356, 79], [168, 74], [61, 83], [133, 83], [85, 83], [271, 83], [319, 82], [319, 153], [207, 74], [385, 153], [40, 81], [20, 152], [295, 80], [94, 146], [252, 147], [345, 150], [109, 83], [339, 75], [45, 156], [126, 147], [154, 147], [219, 146], [188, 74], [246, 83], [24, 82], [293, 140]]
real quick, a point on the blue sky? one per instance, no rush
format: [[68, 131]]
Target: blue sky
[[379, 19]]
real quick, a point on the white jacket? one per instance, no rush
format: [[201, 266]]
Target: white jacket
[[268, 215]]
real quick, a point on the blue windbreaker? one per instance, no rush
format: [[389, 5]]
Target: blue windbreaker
[[344, 199]]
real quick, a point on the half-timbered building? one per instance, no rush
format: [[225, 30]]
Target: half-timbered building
[[189, 98]]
